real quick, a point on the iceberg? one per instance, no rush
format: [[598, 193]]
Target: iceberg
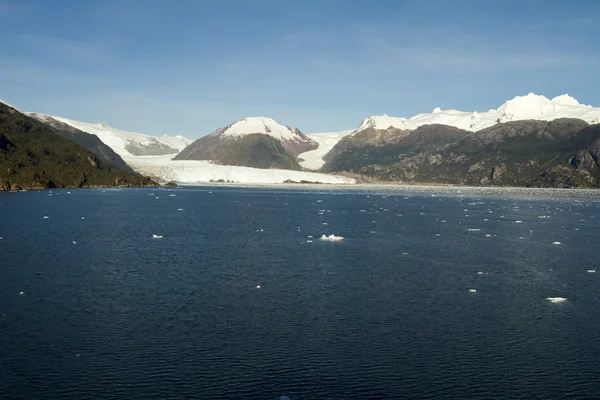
[[556, 299], [332, 238]]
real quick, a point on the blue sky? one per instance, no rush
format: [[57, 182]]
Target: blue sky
[[190, 66]]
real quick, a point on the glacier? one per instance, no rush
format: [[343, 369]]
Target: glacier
[[189, 172]]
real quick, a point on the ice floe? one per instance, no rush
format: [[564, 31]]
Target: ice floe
[[332, 238], [556, 299]]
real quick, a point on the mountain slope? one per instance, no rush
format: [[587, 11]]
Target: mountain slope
[[211, 147], [87, 140], [558, 153], [257, 151], [34, 155], [130, 144], [372, 146]]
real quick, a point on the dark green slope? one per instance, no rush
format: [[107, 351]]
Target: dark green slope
[[34, 156], [91, 142]]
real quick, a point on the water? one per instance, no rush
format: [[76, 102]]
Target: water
[[385, 313]]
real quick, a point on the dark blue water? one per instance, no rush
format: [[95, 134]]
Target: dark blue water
[[386, 313]]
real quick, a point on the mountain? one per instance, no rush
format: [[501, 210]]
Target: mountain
[[91, 142], [129, 144], [373, 146], [559, 153], [519, 108], [34, 155], [219, 144]]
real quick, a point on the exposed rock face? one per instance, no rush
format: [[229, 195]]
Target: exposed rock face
[[154, 148], [213, 146], [558, 153]]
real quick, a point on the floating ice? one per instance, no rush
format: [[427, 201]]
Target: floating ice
[[555, 242], [556, 299], [156, 236], [332, 238]]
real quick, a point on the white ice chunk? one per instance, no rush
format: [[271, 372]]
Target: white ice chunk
[[332, 238], [556, 299]]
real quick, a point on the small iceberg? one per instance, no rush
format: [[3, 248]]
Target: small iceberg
[[332, 238], [156, 236], [556, 299]]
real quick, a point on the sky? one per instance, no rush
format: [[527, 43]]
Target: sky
[[191, 66]]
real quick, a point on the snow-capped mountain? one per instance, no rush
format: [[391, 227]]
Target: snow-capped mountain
[[205, 148], [531, 106], [128, 144]]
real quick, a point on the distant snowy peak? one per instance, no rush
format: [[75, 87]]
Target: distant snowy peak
[[292, 139], [531, 106], [383, 122], [130, 144]]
